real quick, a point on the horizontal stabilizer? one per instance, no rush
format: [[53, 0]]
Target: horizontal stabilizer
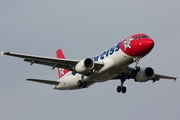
[[44, 81]]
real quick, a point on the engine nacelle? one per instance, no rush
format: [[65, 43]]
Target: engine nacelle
[[145, 74], [84, 66]]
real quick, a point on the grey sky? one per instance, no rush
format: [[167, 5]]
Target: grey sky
[[84, 28]]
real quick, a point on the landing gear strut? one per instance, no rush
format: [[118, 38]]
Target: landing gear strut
[[122, 88], [81, 83], [136, 60]]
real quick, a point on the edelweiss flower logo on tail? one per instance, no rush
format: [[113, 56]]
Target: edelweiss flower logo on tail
[[127, 43], [61, 71]]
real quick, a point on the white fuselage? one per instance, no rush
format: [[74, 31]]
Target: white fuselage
[[114, 64]]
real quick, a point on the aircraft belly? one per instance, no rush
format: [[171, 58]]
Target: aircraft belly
[[69, 82], [113, 65]]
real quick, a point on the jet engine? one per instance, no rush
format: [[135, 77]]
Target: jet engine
[[144, 74], [84, 66]]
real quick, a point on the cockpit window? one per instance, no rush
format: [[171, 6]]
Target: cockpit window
[[144, 36]]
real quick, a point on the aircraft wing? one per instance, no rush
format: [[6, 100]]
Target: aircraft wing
[[129, 75], [159, 76], [49, 61]]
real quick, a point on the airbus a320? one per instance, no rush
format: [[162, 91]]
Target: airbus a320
[[110, 64]]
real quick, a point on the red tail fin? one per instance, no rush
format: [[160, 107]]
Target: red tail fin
[[61, 71]]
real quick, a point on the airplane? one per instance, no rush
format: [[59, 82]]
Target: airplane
[[111, 64]]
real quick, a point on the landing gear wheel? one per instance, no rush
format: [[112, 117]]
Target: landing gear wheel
[[123, 89], [119, 89], [84, 84], [79, 83]]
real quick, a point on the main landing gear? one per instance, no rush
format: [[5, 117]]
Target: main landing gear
[[81, 83], [122, 88]]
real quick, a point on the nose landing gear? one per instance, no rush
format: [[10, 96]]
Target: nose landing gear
[[136, 60]]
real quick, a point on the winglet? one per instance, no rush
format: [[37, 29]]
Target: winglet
[[175, 79], [2, 53]]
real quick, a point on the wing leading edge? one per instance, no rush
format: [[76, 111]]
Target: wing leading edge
[[49, 61]]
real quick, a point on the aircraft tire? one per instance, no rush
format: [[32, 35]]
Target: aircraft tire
[[123, 89], [119, 89], [84, 84], [79, 83]]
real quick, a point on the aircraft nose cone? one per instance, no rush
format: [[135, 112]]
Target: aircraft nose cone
[[145, 46], [149, 43], [138, 48]]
